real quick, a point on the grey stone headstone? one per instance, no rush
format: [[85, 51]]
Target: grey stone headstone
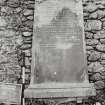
[[59, 45], [58, 51]]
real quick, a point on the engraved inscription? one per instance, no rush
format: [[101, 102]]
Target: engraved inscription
[[59, 44]]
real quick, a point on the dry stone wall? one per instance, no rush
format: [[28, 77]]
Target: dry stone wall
[[16, 26], [94, 19]]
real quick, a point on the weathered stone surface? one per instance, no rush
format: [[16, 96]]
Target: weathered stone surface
[[103, 24], [97, 14], [26, 47], [2, 2], [28, 53], [28, 12], [27, 77], [3, 59], [30, 5], [89, 35], [27, 62], [2, 22], [27, 33], [99, 2], [6, 9], [95, 67], [88, 52], [92, 42], [100, 34], [96, 77], [28, 24], [18, 40], [99, 85], [18, 10], [100, 47], [30, 17], [92, 25], [102, 62], [25, 28], [102, 41], [89, 48], [103, 56], [27, 40], [86, 14], [9, 33], [10, 39], [94, 15], [13, 3], [27, 70], [24, 18], [90, 7], [100, 96], [94, 56], [103, 73]]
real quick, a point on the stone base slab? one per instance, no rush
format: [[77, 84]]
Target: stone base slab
[[73, 90]]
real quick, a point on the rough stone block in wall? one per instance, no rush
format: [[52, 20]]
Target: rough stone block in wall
[[100, 47], [89, 35], [89, 48], [93, 25], [92, 42], [95, 67], [99, 84], [94, 56], [99, 14], [100, 34], [96, 77], [27, 12], [102, 41]]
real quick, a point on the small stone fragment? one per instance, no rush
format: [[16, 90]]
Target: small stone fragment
[[27, 33], [99, 85], [28, 24], [27, 62], [92, 42], [28, 52], [30, 17], [103, 56], [100, 34], [89, 47], [28, 12]]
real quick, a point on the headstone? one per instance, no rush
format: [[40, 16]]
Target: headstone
[[10, 93], [58, 51]]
